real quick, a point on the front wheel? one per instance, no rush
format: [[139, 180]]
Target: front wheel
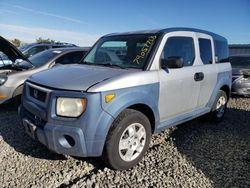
[[219, 107], [127, 140]]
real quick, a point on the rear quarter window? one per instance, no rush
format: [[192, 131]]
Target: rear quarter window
[[221, 51], [206, 51]]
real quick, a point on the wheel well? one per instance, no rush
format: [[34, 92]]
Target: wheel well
[[226, 89], [147, 111]]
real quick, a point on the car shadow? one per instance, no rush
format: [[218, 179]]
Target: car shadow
[[221, 151], [14, 134]]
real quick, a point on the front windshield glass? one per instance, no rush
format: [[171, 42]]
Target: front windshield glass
[[44, 57], [240, 62], [128, 51], [24, 47]]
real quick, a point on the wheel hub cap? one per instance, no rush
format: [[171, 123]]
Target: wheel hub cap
[[220, 106], [132, 142]]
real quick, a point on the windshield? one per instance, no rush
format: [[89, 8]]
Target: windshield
[[240, 61], [24, 47], [44, 57], [130, 51]]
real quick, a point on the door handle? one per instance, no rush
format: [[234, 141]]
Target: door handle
[[198, 76]]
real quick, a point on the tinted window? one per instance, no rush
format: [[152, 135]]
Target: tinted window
[[127, 51], [44, 57], [35, 50], [4, 60], [206, 51], [221, 51], [180, 47], [57, 46], [71, 58], [24, 47]]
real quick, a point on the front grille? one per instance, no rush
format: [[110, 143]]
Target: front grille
[[36, 120], [37, 94]]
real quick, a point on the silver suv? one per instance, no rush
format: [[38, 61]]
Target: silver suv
[[128, 86]]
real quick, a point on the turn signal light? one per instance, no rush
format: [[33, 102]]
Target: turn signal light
[[109, 97]]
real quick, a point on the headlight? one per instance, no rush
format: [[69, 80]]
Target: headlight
[[3, 80], [70, 107]]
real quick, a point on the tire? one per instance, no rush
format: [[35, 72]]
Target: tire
[[123, 138], [218, 111], [18, 100]]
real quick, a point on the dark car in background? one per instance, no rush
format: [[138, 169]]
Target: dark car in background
[[34, 48], [19, 68], [241, 74]]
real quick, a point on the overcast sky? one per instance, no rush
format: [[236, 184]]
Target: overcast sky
[[83, 22]]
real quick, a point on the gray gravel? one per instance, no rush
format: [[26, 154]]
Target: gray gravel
[[194, 154]]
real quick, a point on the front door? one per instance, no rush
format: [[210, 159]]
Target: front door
[[179, 90]]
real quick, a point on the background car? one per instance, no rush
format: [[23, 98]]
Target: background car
[[241, 74], [34, 48], [12, 76], [4, 60]]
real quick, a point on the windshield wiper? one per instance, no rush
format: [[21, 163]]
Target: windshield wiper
[[104, 64], [112, 65]]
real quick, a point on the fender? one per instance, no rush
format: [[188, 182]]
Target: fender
[[223, 79], [124, 98], [18, 91]]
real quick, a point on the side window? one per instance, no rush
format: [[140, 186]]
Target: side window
[[221, 51], [180, 47], [4, 59], [36, 50], [57, 46], [206, 51], [70, 58]]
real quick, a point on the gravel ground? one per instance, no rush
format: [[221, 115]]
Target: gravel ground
[[194, 154]]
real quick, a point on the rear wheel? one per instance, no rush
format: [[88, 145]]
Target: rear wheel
[[128, 140], [219, 107]]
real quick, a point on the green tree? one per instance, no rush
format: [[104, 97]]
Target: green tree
[[42, 40], [16, 42]]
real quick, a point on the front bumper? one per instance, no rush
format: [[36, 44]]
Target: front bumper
[[58, 138], [84, 136]]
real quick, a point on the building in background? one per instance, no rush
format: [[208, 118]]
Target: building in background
[[239, 49]]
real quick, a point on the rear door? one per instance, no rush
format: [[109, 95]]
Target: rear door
[[206, 67]]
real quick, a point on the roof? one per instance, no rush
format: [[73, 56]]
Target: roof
[[49, 44], [69, 49], [168, 30]]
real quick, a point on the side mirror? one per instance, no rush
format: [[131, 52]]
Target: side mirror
[[173, 62]]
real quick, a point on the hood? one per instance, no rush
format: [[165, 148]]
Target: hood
[[10, 50], [75, 77]]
